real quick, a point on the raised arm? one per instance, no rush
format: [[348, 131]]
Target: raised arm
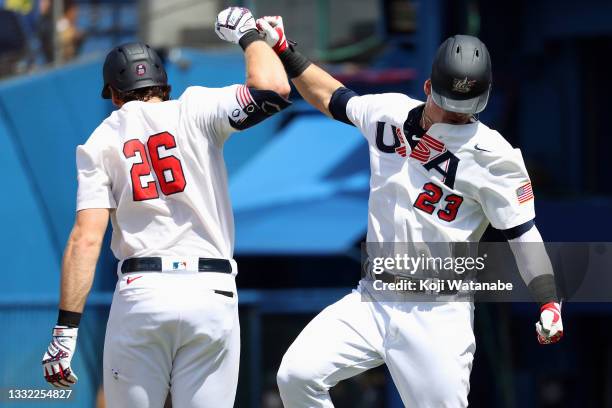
[[317, 87], [266, 89], [264, 69], [312, 82]]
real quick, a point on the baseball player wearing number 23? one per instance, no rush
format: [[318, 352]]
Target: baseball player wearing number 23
[[155, 168], [438, 174]]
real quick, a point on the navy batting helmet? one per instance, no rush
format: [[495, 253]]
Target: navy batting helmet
[[461, 75], [132, 66]]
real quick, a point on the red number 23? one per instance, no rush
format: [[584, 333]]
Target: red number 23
[[431, 195]]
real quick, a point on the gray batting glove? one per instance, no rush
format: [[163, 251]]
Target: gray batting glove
[[234, 22], [56, 361]]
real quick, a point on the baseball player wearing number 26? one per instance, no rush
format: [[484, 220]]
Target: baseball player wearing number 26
[[155, 167], [437, 175]]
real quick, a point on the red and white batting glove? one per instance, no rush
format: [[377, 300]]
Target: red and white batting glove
[[56, 361], [234, 22], [550, 326], [273, 31]]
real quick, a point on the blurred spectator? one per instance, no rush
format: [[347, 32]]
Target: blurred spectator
[[13, 44], [19, 6], [70, 37], [45, 30]]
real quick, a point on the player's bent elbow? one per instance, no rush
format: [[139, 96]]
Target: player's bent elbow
[[280, 89], [278, 85], [283, 90], [85, 239], [88, 241]]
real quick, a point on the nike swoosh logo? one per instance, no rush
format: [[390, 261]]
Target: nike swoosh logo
[[415, 138], [131, 279], [482, 150]]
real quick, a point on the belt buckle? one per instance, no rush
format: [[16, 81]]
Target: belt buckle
[[399, 278]]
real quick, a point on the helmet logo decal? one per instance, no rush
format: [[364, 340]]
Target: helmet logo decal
[[463, 85], [141, 69]]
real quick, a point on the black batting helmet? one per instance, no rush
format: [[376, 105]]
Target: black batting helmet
[[461, 75], [132, 66]]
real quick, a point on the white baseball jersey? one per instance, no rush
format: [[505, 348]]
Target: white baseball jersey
[[443, 186], [160, 167]]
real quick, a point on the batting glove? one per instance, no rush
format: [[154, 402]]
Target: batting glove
[[274, 32], [233, 23], [56, 361], [550, 326]]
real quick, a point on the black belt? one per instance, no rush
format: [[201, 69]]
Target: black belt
[[154, 264]]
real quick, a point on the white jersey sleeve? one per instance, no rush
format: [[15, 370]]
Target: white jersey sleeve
[[505, 192], [367, 110], [213, 108], [94, 189]]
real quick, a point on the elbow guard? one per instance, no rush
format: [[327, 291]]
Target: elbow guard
[[255, 106]]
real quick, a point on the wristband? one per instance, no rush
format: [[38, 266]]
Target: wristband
[[67, 318], [543, 289], [249, 37], [294, 62]]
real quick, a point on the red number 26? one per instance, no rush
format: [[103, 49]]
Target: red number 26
[[168, 169]]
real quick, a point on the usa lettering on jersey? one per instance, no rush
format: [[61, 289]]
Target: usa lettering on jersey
[[431, 153]]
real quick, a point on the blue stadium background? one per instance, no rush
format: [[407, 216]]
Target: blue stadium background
[[299, 185]]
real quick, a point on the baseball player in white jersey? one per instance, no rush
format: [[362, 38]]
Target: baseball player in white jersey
[[437, 175], [155, 167]]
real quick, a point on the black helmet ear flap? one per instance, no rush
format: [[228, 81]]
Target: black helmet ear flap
[[106, 92], [132, 66]]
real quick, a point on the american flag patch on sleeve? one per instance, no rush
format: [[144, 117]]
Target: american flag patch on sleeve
[[524, 193], [243, 96]]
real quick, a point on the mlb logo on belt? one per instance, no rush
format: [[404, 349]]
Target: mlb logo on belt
[[179, 266]]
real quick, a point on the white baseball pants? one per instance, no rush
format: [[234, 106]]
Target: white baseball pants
[[428, 348], [171, 331]]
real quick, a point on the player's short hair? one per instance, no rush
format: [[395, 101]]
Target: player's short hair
[[144, 94]]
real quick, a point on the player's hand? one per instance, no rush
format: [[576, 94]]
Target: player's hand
[[273, 31], [56, 361], [234, 22], [550, 326]]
